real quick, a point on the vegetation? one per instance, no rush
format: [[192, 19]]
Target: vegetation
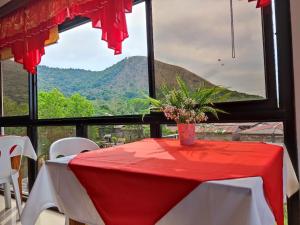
[[122, 81], [55, 104], [118, 82], [14, 108]]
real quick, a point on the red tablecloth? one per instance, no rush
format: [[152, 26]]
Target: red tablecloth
[[138, 183]]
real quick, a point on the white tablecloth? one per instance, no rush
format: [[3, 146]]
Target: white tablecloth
[[225, 202], [27, 148]]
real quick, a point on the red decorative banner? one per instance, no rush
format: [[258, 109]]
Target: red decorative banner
[[25, 32]]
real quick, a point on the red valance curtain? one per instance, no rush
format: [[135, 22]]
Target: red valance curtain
[[25, 32]]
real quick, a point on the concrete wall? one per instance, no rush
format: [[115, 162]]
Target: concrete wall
[[295, 14]]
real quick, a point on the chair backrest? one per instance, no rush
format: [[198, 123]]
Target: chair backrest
[[9, 145], [71, 146]]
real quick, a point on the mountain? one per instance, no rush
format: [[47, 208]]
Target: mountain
[[123, 80], [128, 78], [166, 73]]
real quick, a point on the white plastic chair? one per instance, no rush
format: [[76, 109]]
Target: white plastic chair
[[71, 146], [10, 146]]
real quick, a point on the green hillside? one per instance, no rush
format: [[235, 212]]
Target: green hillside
[[15, 80], [111, 88], [125, 80]]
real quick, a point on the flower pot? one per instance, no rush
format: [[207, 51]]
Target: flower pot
[[187, 134]]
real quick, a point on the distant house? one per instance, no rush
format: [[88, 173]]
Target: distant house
[[265, 132], [226, 132], [121, 133]]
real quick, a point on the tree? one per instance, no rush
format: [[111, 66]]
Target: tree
[[138, 106], [51, 104], [14, 108], [79, 106], [55, 104]]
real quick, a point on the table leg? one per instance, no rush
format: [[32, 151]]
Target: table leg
[[73, 222], [15, 164], [7, 195]]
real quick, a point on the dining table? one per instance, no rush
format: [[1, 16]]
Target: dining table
[[160, 182]]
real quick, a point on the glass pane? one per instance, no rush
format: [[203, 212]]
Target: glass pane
[[84, 80], [258, 132], [193, 39], [20, 131], [15, 89], [107, 136], [48, 135]]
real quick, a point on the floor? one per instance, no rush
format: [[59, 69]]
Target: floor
[[9, 216]]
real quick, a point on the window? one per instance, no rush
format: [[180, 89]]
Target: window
[[15, 89], [81, 77], [193, 39], [110, 135]]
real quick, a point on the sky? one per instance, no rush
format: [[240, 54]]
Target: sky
[[83, 48], [193, 34]]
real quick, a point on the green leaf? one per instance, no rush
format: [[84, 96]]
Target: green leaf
[[183, 88]]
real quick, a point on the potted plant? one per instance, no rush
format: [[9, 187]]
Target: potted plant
[[187, 107]]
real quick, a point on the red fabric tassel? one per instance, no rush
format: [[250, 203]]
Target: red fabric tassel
[[263, 3]]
